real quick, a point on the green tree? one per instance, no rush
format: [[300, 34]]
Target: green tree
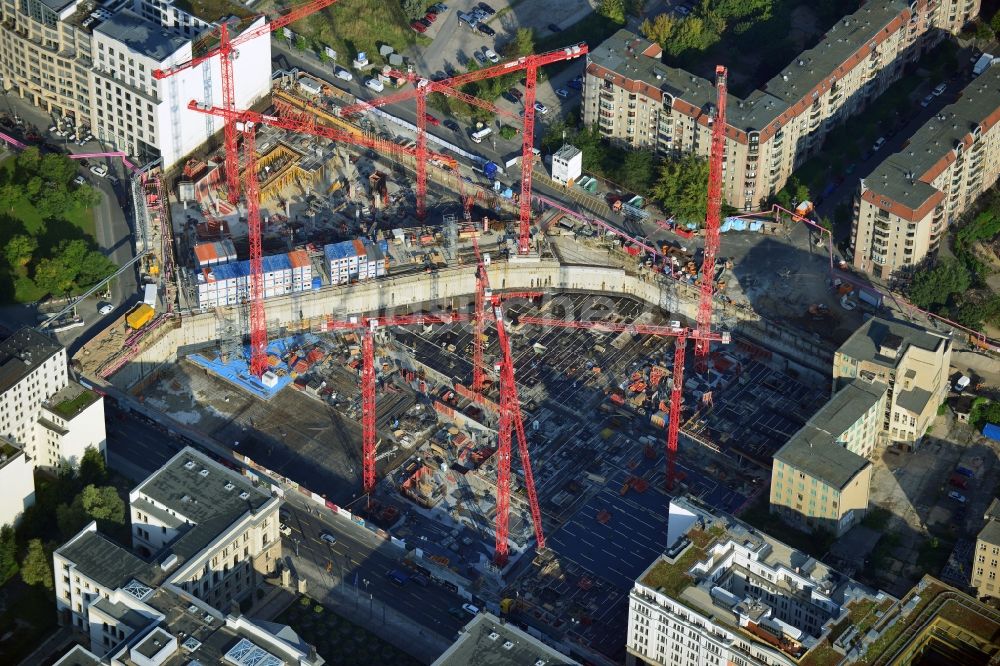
[[54, 276], [300, 43], [70, 518], [413, 9], [35, 567], [93, 469], [936, 285], [33, 187], [660, 30], [57, 168], [93, 268], [20, 249], [508, 132], [103, 503], [28, 161], [681, 187], [52, 201], [613, 10], [637, 171], [523, 44], [86, 197], [8, 554], [983, 31], [995, 24], [10, 194]]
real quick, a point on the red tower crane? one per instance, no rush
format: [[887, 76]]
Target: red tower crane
[[228, 52], [368, 326], [681, 335], [258, 323], [530, 65], [713, 214]]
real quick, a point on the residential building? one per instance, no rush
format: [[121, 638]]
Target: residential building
[[903, 208], [45, 413], [359, 259], [95, 65], [638, 102], [986, 560], [912, 362], [489, 641], [140, 626], [567, 165], [724, 593], [220, 285], [17, 479], [199, 531]]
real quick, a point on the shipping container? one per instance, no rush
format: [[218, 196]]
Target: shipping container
[[139, 317]]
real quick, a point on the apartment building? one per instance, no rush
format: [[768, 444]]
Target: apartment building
[[94, 61], [199, 530], [820, 478], [903, 208], [724, 593], [638, 102], [17, 482], [912, 362], [986, 559], [51, 417]]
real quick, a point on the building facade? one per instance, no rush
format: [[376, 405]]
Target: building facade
[[17, 481], [222, 285], [986, 559], [903, 208], [743, 597], [51, 417], [360, 259], [912, 362], [199, 530], [95, 64], [636, 101]]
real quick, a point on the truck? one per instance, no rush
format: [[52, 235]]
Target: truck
[[139, 317], [982, 64], [479, 135]]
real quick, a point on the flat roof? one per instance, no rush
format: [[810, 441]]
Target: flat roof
[[865, 342], [900, 176], [990, 532], [107, 563], [488, 641], [79, 656], [829, 462], [204, 492], [913, 400], [71, 400], [21, 353], [141, 35], [622, 53]]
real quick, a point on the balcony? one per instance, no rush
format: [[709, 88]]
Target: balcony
[[607, 94]]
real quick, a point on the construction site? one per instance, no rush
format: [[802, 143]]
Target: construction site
[[378, 320]]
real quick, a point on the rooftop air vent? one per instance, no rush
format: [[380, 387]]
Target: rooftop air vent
[[494, 635], [203, 472], [192, 608], [244, 495], [509, 645], [189, 464], [540, 662], [186, 498], [229, 486], [191, 644], [209, 618]]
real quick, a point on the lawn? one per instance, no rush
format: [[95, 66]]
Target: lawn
[[77, 216], [337, 640], [353, 26]]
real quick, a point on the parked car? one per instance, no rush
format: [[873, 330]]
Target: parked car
[[418, 26], [99, 170], [451, 124], [541, 108], [431, 16], [507, 96], [962, 383], [425, 22], [486, 8], [480, 58], [926, 101], [79, 180], [957, 496], [486, 30], [470, 609], [105, 308], [285, 529], [431, 119], [439, 7], [344, 74], [375, 85], [939, 89], [879, 142], [516, 93], [554, 28], [562, 92], [492, 56], [329, 538]]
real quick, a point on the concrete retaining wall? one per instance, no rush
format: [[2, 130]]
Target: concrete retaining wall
[[455, 287]]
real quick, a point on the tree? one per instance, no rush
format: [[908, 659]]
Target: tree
[[35, 567], [682, 188], [103, 503], [660, 29], [70, 518], [613, 10], [300, 43], [508, 132], [28, 161], [413, 9], [93, 469], [10, 194], [935, 286], [8, 554], [637, 171], [19, 250], [57, 168], [523, 43], [995, 24], [54, 276], [983, 31]]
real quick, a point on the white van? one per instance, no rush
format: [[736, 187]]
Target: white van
[[479, 135], [375, 85], [344, 74]]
